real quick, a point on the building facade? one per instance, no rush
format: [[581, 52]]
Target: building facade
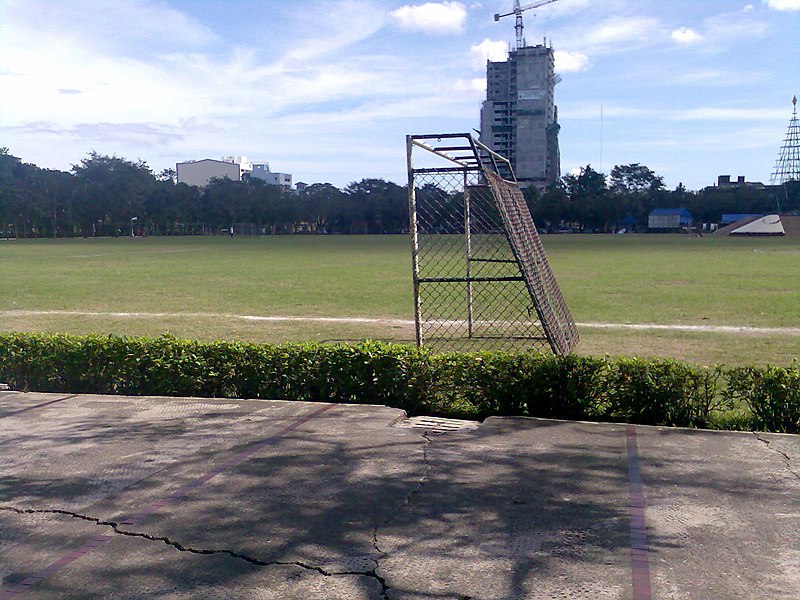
[[261, 171], [200, 172], [725, 182], [519, 118], [673, 219], [235, 168]]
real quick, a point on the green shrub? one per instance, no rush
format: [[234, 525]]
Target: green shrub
[[549, 386], [661, 392], [772, 394], [646, 391]]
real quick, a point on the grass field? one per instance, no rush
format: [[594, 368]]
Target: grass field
[[201, 287]]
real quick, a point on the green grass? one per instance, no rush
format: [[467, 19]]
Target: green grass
[[282, 275], [658, 279], [673, 279]]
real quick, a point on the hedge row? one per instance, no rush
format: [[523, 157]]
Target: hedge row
[[635, 390]]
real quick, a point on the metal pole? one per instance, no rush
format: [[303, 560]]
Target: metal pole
[[412, 216], [468, 240]]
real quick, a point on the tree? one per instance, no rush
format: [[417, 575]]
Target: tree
[[323, 203], [634, 179], [9, 166], [111, 191], [55, 196], [551, 209], [377, 205], [168, 175], [588, 196]]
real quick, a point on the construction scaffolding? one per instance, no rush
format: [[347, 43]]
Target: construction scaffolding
[[787, 167], [481, 277]]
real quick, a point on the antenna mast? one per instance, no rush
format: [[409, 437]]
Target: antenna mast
[[787, 167]]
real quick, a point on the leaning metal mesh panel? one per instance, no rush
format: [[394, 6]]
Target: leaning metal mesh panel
[[551, 308], [472, 295]]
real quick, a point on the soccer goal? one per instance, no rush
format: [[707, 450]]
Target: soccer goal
[[481, 278]]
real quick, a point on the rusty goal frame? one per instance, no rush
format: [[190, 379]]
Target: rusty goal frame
[[481, 278]]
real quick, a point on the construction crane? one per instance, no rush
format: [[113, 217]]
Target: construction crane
[[518, 10]]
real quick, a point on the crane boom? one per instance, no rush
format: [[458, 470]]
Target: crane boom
[[517, 11]]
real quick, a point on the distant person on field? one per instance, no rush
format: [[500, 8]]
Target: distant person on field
[[231, 231]]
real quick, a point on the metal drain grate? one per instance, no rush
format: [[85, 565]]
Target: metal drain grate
[[438, 424]]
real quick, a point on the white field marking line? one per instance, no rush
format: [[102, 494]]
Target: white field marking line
[[140, 253], [698, 328], [277, 319], [734, 329]]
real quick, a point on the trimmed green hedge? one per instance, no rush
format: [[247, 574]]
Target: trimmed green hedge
[[635, 390]]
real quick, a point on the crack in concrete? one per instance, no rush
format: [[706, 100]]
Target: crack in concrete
[[424, 478], [202, 551], [373, 573], [377, 561], [785, 456]]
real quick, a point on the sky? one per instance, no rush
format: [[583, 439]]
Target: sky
[[328, 90]]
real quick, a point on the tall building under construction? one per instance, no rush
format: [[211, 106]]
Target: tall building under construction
[[519, 118]]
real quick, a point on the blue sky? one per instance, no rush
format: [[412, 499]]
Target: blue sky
[[328, 90]]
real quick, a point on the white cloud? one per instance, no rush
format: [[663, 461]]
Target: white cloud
[[477, 84], [337, 25], [713, 113], [147, 24], [570, 62], [728, 27], [591, 111], [712, 77], [73, 79], [685, 35], [495, 51], [432, 17], [719, 32], [586, 111], [783, 4], [562, 8], [617, 30]]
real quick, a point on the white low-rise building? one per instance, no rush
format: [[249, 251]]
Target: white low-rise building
[[261, 171], [235, 168]]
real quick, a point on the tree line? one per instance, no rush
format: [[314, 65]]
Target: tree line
[[591, 201], [111, 196]]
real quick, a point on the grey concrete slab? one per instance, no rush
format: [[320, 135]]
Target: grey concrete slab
[[120, 497], [724, 513]]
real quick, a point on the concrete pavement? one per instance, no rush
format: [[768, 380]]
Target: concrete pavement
[[129, 497]]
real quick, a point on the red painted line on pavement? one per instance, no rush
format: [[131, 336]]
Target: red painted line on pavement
[[35, 406], [640, 555], [26, 584]]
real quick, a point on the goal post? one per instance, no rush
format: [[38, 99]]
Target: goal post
[[481, 278]]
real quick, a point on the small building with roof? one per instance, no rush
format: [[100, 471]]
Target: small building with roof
[[669, 219]]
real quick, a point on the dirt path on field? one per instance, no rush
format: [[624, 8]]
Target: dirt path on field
[[728, 329]]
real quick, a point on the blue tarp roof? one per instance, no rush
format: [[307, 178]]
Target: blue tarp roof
[[685, 215]]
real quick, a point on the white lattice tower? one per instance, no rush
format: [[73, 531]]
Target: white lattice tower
[[787, 167]]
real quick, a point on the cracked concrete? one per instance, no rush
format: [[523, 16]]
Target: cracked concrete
[[406, 502], [186, 498], [201, 551], [773, 445]]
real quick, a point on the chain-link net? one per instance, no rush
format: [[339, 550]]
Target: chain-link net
[[551, 308], [482, 281]]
